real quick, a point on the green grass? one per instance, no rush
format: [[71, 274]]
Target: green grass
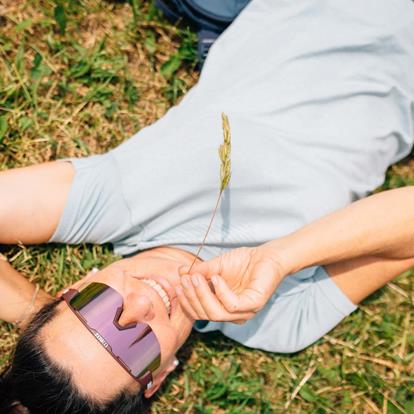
[[78, 78]]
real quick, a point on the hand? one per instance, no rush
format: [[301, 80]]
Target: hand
[[243, 280]]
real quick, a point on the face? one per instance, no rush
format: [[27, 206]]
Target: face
[[149, 298]]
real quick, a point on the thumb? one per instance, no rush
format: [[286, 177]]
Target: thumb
[[207, 269]]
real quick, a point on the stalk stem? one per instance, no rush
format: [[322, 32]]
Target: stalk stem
[[208, 230]]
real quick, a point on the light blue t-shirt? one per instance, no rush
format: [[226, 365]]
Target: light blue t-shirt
[[320, 100], [319, 95]]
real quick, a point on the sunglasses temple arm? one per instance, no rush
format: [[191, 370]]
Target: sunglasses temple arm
[[145, 380]]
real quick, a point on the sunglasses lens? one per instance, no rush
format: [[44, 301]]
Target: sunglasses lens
[[136, 347]]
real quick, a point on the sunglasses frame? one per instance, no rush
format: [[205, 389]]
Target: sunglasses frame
[[145, 380]]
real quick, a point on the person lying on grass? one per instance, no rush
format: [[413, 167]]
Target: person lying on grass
[[320, 101], [368, 251]]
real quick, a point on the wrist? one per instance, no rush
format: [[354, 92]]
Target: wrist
[[16, 295], [277, 253], [28, 309], [33, 304], [290, 254]]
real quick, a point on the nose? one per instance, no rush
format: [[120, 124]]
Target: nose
[[137, 308]]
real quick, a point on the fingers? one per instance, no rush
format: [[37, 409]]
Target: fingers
[[202, 302], [250, 300], [227, 297], [185, 304], [208, 269], [189, 300], [212, 305], [254, 296]]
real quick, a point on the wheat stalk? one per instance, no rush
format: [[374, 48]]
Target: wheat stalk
[[225, 174], [224, 154]]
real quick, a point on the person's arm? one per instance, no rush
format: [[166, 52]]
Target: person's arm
[[377, 230], [18, 302], [381, 225]]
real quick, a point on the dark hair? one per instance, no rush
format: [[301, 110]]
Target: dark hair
[[33, 384]]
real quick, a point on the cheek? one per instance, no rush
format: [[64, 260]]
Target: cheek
[[168, 341]]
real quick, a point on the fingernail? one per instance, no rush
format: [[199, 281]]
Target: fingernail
[[179, 290], [195, 280], [185, 281], [176, 362], [95, 270], [214, 280]]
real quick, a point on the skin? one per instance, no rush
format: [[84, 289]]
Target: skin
[[16, 296], [69, 344], [240, 291], [363, 247], [242, 279], [30, 216], [66, 339]]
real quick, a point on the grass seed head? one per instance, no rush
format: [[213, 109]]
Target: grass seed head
[[225, 154]]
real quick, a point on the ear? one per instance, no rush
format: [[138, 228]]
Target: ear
[[160, 377], [18, 408]]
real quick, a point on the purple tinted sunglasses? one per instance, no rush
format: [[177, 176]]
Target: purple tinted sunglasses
[[135, 347]]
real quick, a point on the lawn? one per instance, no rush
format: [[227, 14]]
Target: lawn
[[79, 77]]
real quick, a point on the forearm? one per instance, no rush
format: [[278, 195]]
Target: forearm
[[16, 294], [381, 225]]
